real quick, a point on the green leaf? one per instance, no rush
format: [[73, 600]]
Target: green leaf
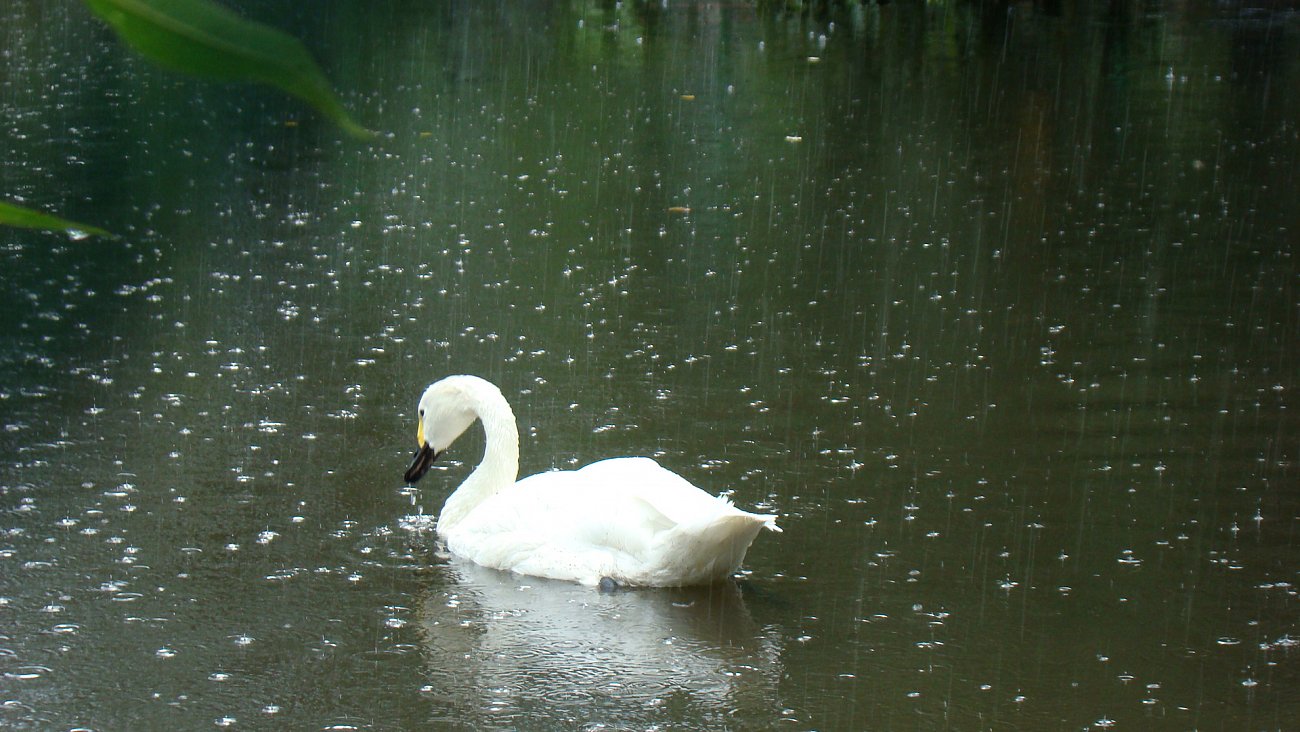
[[14, 215], [202, 38]]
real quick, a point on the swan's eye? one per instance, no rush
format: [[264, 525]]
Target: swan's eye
[[421, 412]]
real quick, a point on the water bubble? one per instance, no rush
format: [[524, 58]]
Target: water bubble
[[26, 673]]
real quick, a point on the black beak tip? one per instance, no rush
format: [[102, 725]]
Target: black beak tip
[[424, 458]]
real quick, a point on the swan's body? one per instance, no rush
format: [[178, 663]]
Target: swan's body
[[625, 519]]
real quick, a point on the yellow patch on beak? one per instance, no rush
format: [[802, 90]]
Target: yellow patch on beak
[[419, 432]]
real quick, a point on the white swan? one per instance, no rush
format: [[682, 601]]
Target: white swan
[[625, 519]]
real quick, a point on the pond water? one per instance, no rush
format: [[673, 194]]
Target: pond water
[[994, 304]]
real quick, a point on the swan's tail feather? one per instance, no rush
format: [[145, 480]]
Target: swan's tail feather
[[713, 548]]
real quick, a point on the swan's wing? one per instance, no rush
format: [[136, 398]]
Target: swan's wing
[[563, 525], [643, 479], [591, 508], [624, 517], [685, 535]]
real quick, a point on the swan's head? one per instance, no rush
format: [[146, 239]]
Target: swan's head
[[446, 411]]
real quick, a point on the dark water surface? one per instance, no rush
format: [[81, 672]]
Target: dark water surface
[[996, 305]]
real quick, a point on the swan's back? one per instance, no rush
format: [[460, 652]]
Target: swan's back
[[625, 518]]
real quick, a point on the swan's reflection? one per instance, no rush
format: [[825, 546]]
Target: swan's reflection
[[508, 650]]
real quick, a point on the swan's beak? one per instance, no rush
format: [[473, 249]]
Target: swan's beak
[[424, 457]]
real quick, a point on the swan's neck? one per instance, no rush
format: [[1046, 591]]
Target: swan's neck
[[500, 465]]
